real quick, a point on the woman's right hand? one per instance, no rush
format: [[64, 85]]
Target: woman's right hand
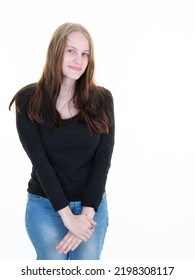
[[81, 226]]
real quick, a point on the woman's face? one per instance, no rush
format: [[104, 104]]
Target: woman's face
[[76, 56]]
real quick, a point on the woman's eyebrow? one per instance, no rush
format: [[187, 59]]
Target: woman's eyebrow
[[69, 46]]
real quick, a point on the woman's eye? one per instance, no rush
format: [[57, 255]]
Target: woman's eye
[[86, 54], [70, 51]]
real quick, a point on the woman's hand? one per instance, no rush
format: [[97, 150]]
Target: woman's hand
[[68, 243], [81, 226]]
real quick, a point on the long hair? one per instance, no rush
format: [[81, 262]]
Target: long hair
[[93, 102]]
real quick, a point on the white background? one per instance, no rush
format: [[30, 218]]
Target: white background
[[145, 55]]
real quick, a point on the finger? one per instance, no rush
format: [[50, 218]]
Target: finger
[[77, 243], [87, 234], [73, 245], [63, 240], [90, 231], [66, 245], [92, 222]]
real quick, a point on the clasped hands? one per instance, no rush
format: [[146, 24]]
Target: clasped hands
[[80, 228]]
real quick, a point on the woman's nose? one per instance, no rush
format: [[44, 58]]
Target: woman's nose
[[78, 59]]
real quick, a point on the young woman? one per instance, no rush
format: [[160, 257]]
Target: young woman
[[65, 123]]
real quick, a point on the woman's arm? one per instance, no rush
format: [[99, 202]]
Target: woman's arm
[[100, 165], [29, 135]]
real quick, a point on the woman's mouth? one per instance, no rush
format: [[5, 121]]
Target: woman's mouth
[[75, 68]]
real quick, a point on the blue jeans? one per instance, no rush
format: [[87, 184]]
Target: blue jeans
[[46, 229]]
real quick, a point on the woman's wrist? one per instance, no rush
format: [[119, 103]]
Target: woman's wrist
[[66, 214], [89, 211]]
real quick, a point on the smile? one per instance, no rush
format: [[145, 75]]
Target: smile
[[75, 68]]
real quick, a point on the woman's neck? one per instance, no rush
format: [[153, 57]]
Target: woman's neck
[[64, 104], [67, 89]]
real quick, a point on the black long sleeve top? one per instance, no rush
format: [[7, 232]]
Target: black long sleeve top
[[68, 163]]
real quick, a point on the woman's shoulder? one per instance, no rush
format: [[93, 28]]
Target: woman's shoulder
[[107, 97], [24, 94], [105, 93], [27, 90]]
